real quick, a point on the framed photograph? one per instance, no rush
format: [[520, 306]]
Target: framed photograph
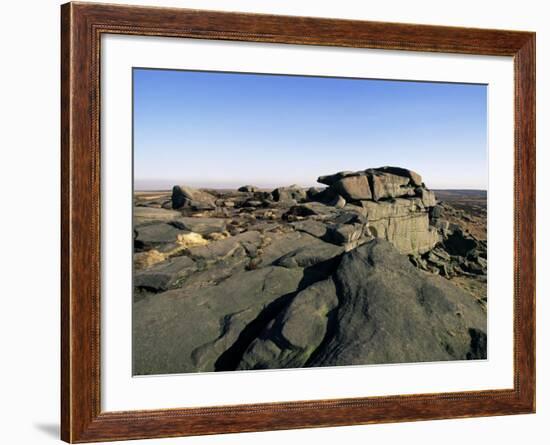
[[274, 222]]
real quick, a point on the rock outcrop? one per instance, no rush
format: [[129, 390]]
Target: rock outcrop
[[395, 202], [183, 196], [309, 307], [289, 194], [247, 189], [382, 297], [367, 269], [383, 310], [182, 331]]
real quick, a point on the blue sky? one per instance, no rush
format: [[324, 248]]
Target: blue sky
[[209, 129]]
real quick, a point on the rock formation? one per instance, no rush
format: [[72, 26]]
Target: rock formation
[[394, 201], [374, 297], [365, 270], [188, 197]]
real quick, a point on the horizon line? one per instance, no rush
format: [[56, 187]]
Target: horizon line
[[139, 189]]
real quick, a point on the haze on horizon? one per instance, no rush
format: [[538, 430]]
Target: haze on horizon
[[224, 130]]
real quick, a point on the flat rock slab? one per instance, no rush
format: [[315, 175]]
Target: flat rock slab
[[218, 250], [321, 209], [311, 227], [282, 244], [157, 233], [353, 188], [316, 252], [146, 215], [164, 275], [204, 226], [213, 274]]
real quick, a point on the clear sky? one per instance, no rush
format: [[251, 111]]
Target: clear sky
[[208, 129]]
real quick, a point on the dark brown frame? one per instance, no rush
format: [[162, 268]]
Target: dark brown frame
[[82, 25]]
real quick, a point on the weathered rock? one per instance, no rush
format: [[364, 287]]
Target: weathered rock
[[398, 207], [201, 205], [442, 227], [254, 203], [153, 234], [415, 178], [165, 275], [315, 228], [353, 188], [376, 184], [441, 254], [343, 234], [147, 215], [349, 217], [339, 202], [218, 250], [289, 193], [409, 234], [282, 204], [316, 209], [190, 239], [478, 345], [289, 340], [331, 179], [181, 194], [278, 245], [328, 197], [178, 332], [427, 197], [264, 226], [333, 296], [419, 262], [403, 222], [436, 212], [148, 258], [247, 189], [390, 312], [299, 210], [212, 273], [188, 197], [217, 236], [203, 226], [460, 243], [316, 252], [312, 192], [387, 185], [322, 210]]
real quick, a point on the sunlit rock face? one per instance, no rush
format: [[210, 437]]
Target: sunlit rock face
[[395, 202]]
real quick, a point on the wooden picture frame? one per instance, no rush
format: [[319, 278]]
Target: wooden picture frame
[[82, 25]]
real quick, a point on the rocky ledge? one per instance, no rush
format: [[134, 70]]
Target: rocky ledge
[[364, 270]]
